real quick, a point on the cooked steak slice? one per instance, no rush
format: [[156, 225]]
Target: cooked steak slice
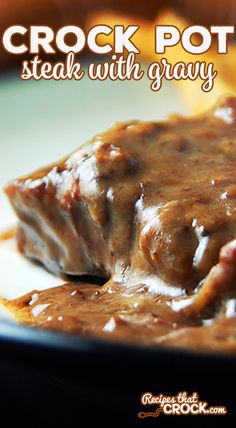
[[149, 202]]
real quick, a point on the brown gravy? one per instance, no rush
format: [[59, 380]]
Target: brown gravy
[[151, 207], [114, 312]]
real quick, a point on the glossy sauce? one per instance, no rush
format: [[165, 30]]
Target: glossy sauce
[[151, 207], [115, 313]]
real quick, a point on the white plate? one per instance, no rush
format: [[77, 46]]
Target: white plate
[[42, 121]]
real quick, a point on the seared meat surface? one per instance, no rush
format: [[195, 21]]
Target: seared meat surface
[[144, 205]]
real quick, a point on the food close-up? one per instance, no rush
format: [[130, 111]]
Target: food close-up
[[149, 206], [118, 209]]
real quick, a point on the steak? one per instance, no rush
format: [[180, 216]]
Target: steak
[[149, 202]]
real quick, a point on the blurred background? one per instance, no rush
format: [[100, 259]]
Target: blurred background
[[42, 121], [57, 13]]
